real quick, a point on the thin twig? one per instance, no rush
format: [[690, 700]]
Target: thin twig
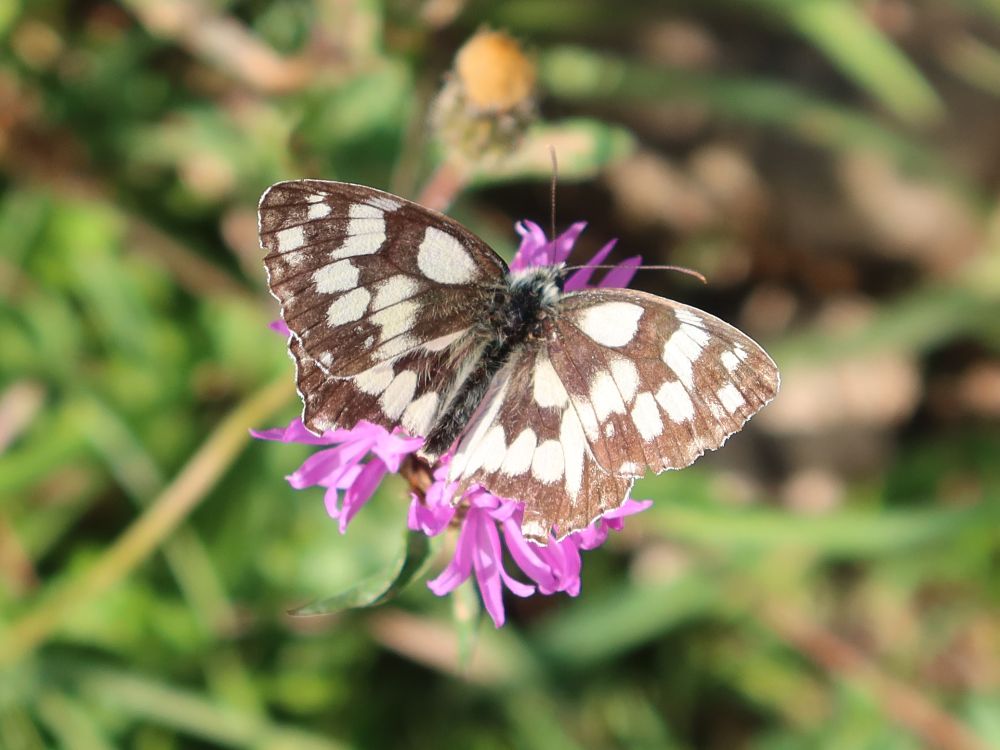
[[224, 42], [444, 185]]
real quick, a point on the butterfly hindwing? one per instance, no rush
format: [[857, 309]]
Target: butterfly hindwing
[[527, 442], [364, 276], [410, 391]]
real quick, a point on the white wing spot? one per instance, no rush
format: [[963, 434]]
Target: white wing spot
[[533, 530], [493, 448], [336, 277], [373, 381], [348, 307], [730, 361], [609, 429], [646, 416], [290, 239], [676, 401], [605, 397], [547, 463], [396, 319], [610, 323], [318, 210], [489, 453], [682, 350], [686, 316], [365, 232], [384, 202], [443, 342], [518, 457], [476, 432], [588, 418], [315, 198], [394, 289], [574, 444], [731, 397], [399, 394], [626, 377], [395, 346], [547, 388], [419, 414], [442, 258]]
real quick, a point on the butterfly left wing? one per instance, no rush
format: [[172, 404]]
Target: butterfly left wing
[[623, 382], [410, 391], [381, 296], [364, 276]]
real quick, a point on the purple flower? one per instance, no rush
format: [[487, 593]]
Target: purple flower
[[342, 467], [486, 522]]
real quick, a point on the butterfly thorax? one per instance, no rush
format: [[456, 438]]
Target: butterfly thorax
[[518, 309]]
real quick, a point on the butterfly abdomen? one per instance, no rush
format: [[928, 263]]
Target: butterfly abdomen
[[518, 308]]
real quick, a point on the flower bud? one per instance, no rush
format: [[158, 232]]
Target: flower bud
[[487, 100]]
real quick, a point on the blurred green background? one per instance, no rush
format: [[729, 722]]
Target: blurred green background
[[827, 580]]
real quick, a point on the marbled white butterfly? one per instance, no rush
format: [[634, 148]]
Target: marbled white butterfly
[[402, 317]]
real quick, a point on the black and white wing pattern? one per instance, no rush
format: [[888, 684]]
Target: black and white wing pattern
[[621, 383], [376, 289], [401, 317]]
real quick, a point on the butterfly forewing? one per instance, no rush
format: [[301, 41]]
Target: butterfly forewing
[[365, 276]]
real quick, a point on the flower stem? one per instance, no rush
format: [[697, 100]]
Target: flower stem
[[443, 186]]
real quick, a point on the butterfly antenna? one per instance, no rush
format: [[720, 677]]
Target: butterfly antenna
[[552, 192], [682, 269]]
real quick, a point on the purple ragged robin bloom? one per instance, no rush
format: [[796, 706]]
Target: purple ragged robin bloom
[[341, 468], [482, 518]]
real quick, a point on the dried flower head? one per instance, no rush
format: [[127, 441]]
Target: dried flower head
[[487, 100]]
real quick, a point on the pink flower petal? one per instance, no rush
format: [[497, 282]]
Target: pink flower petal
[[360, 491], [278, 326], [460, 567], [297, 433], [581, 278]]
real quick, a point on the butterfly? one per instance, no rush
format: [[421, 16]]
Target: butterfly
[[402, 317]]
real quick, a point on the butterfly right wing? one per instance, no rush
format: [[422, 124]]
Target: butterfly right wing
[[622, 382]]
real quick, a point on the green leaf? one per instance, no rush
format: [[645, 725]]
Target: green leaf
[[9, 11], [860, 51], [575, 73], [467, 613], [849, 532], [380, 587], [602, 627]]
